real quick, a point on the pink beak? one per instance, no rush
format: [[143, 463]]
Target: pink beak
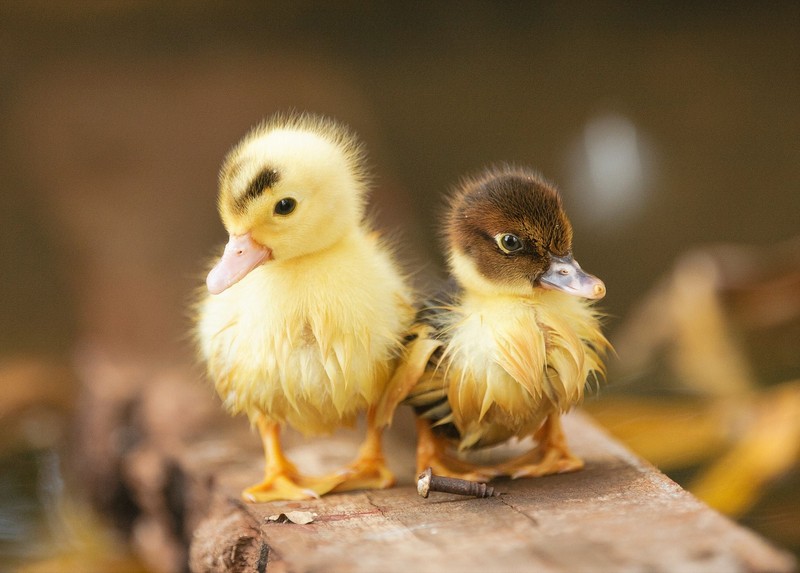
[[242, 254]]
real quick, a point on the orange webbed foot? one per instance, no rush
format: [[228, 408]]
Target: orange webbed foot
[[432, 452], [366, 473], [551, 455], [279, 487], [369, 470], [553, 462], [282, 481], [455, 468]]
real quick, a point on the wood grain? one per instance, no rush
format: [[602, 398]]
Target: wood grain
[[184, 463]]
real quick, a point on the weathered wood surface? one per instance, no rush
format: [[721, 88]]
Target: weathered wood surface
[[180, 464]]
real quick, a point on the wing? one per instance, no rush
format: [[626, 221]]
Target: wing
[[423, 341]]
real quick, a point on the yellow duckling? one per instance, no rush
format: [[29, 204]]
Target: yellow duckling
[[305, 318], [513, 348]]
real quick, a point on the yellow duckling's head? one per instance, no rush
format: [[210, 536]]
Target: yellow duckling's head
[[507, 233], [294, 185]]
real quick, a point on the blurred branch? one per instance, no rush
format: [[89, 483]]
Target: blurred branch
[[740, 428]]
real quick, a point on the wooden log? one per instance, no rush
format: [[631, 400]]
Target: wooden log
[[183, 463]]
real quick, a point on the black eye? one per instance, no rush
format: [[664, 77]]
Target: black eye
[[509, 243], [285, 206]]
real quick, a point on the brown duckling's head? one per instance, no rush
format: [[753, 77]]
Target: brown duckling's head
[[507, 233]]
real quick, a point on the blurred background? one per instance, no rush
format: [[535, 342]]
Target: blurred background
[[672, 130]]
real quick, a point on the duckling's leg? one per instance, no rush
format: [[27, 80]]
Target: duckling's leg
[[432, 453], [281, 478], [550, 456], [369, 470]]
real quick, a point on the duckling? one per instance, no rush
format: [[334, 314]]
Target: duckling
[[513, 347], [305, 313]]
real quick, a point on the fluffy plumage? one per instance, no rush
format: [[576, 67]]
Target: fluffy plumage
[[305, 321], [514, 346]]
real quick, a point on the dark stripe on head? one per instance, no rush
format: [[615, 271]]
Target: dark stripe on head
[[264, 180]]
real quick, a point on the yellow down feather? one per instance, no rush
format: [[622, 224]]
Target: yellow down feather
[[511, 361]]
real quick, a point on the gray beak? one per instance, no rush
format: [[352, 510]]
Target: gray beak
[[566, 275]]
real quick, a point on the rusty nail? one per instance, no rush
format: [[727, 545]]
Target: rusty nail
[[427, 482]]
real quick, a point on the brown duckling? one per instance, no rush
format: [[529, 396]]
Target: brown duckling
[[514, 346]]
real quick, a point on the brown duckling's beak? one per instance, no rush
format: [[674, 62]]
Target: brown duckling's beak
[[242, 254], [565, 274]]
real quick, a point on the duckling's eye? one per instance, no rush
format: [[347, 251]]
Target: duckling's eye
[[509, 243], [285, 206]]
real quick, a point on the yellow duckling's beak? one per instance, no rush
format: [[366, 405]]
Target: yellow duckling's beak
[[566, 275], [242, 254]]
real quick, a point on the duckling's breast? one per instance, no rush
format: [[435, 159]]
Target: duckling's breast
[[306, 344], [511, 361]]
